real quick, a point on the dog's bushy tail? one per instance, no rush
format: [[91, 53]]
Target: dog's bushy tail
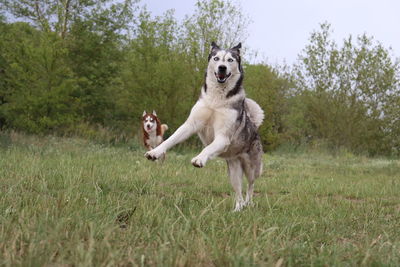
[[254, 111], [164, 128]]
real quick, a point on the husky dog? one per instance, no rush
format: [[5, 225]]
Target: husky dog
[[226, 122], [153, 130]]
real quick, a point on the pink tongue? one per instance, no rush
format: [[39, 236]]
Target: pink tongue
[[221, 76]]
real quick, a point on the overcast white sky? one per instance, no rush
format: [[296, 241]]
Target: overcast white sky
[[280, 29]]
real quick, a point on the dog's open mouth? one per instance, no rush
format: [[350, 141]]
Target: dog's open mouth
[[221, 76]]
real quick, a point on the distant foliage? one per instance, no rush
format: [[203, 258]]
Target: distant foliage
[[90, 67], [38, 86], [346, 95]]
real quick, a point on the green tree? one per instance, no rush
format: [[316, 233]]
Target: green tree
[[38, 86], [88, 36], [345, 91], [59, 15], [155, 75]]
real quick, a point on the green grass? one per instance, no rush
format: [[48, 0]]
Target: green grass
[[71, 202]]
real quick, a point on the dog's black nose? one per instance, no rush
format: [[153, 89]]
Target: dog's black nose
[[222, 68]]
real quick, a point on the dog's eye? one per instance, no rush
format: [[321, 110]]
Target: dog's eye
[[216, 58], [230, 60]]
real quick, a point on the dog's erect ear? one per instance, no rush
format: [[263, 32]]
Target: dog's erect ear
[[237, 47], [154, 113], [144, 113], [213, 50], [214, 46]]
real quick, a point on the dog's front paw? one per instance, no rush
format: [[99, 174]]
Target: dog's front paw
[[154, 154], [199, 161]]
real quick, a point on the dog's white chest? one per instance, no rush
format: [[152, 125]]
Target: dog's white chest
[[217, 121], [207, 134], [154, 140]]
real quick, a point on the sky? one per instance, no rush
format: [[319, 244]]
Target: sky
[[280, 29]]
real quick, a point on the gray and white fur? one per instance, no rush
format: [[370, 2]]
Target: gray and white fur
[[226, 122]]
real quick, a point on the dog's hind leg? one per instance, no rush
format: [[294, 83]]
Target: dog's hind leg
[[235, 172], [249, 171]]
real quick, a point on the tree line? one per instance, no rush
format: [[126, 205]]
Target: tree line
[[81, 67]]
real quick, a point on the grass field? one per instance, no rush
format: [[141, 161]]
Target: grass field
[[70, 202]]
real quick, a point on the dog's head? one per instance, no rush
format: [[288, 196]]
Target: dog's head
[[150, 121], [225, 65]]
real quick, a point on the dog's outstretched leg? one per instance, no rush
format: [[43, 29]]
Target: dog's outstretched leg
[[192, 125], [183, 132], [236, 175], [212, 150]]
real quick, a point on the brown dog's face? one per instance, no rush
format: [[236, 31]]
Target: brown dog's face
[[149, 121]]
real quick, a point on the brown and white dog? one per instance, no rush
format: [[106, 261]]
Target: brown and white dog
[[153, 130]]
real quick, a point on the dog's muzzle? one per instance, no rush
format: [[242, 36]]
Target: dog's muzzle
[[222, 76]]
